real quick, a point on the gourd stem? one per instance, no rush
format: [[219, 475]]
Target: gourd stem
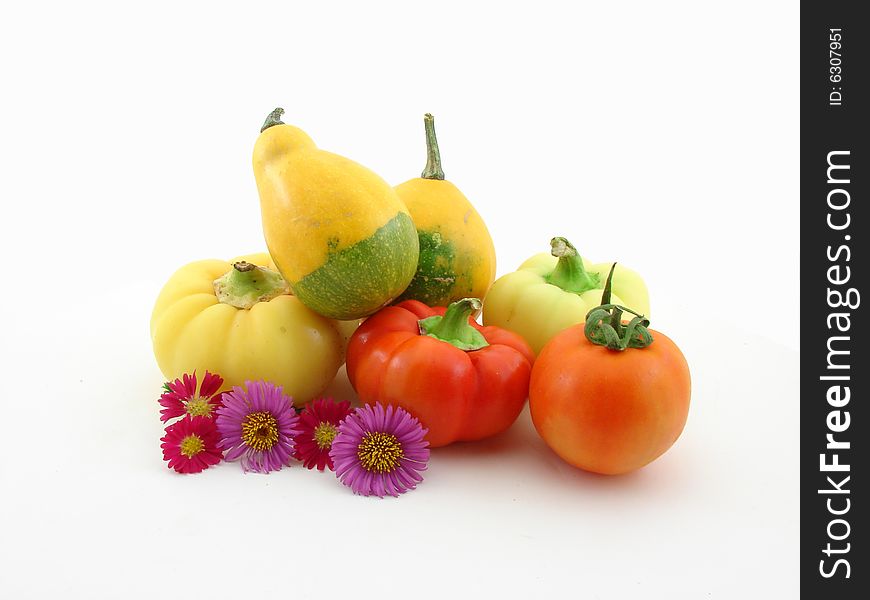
[[570, 274], [454, 327], [433, 155], [273, 119]]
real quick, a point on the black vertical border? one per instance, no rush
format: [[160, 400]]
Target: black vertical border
[[826, 128]]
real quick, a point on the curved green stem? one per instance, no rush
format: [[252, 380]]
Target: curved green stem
[[433, 155], [570, 274], [454, 327], [273, 119], [604, 325], [246, 284]]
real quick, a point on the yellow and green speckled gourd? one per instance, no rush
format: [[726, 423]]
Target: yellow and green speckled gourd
[[338, 233], [457, 256]]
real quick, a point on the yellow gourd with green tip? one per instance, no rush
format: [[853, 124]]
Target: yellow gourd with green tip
[[457, 256], [338, 233]]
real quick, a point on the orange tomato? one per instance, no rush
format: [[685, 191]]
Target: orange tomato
[[608, 411]]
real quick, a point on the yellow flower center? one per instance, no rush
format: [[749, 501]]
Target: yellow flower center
[[198, 407], [324, 433], [260, 430], [379, 452], [192, 445]]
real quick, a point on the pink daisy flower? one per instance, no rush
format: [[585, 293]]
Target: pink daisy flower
[[181, 397], [380, 451], [257, 426], [191, 444], [318, 424]]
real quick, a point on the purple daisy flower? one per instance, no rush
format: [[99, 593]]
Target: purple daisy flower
[[380, 451], [257, 426]]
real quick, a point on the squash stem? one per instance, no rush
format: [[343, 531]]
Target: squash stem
[[454, 327], [246, 284], [433, 155]]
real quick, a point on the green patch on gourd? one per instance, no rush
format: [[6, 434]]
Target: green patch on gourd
[[358, 280], [436, 276]]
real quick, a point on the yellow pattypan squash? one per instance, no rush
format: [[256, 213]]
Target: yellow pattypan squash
[[239, 319]]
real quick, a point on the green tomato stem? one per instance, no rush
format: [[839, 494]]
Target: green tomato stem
[[454, 328], [570, 274], [433, 155], [245, 285], [604, 325], [273, 119]]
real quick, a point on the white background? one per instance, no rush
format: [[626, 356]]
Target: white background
[[664, 136]]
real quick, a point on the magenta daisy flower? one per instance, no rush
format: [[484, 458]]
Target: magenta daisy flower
[[191, 444], [181, 397], [318, 423], [257, 426], [380, 451]]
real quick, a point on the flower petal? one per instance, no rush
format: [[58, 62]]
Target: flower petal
[[211, 383]]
